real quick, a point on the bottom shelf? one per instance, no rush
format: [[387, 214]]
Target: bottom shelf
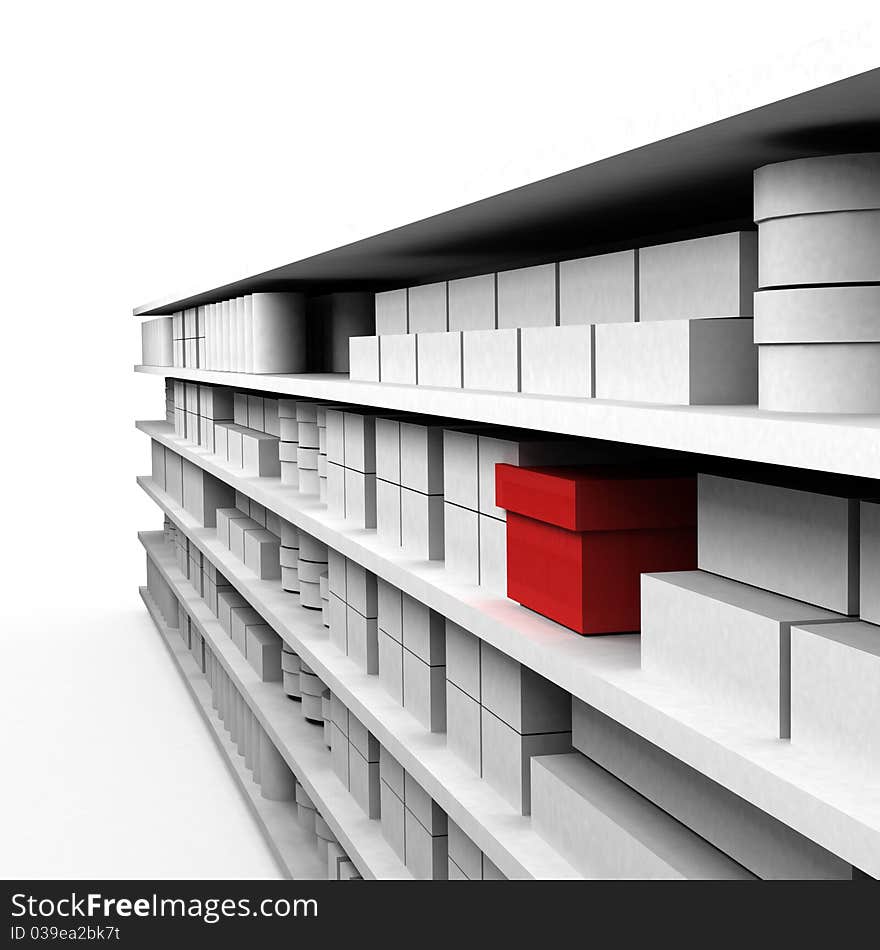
[[294, 849]]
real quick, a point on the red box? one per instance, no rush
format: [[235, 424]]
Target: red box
[[578, 539]]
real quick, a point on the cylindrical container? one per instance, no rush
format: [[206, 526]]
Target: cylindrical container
[[817, 314]]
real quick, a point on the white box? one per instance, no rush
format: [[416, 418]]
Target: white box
[[557, 361], [235, 446], [264, 653], [335, 490], [262, 554], [391, 312], [677, 362], [424, 809], [388, 525], [361, 589], [836, 314], [388, 449], [801, 544], [363, 642], [335, 436], [260, 454], [363, 359], [203, 494], [835, 685], [428, 312], [238, 527], [424, 691], [760, 843], [363, 778], [706, 277], [397, 359], [424, 631], [493, 555], [391, 772], [461, 469], [359, 432], [338, 623], [391, 665], [491, 360], [421, 524], [507, 757], [606, 830], [598, 289], [440, 359], [472, 303], [463, 659], [256, 413], [221, 441], [527, 297], [360, 498], [521, 698], [421, 458], [463, 728], [240, 409], [728, 640], [426, 854], [336, 572], [461, 529], [390, 609], [393, 821], [307, 435]]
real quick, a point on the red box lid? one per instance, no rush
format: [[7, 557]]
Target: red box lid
[[598, 497]]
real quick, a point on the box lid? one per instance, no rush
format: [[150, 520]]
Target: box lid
[[598, 497]]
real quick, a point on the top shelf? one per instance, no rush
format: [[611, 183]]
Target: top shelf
[[689, 185], [840, 444]]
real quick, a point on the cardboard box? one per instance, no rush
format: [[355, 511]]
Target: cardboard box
[[677, 362], [578, 540], [799, 543], [706, 277], [527, 297]]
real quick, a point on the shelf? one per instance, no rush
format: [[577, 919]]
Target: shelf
[[497, 828], [843, 444], [300, 743], [818, 798], [293, 848]]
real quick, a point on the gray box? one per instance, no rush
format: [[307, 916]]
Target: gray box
[[391, 312], [428, 312], [598, 289], [527, 297], [557, 361], [472, 303], [491, 360]]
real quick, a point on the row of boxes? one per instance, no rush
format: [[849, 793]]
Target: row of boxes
[[311, 569], [499, 714], [256, 333], [706, 277], [351, 466], [816, 312], [248, 539], [196, 490], [680, 362], [354, 753], [156, 342]]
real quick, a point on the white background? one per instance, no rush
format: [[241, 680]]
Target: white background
[[155, 147]]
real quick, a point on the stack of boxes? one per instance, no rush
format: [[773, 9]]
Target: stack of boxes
[[466, 861], [409, 486], [197, 491], [156, 342], [474, 525], [307, 447], [313, 691], [188, 338], [777, 584], [353, 610], [351, 466], [310, 567], [412, 656], [354, 752], [412, 822], [290, 672], [500, 714], [288, 446], [816, 315], [250, 541], [289, 557], [576, 329], [215, 406], [169, 400]]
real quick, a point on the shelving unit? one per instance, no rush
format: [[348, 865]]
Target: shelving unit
[[673, 234]]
